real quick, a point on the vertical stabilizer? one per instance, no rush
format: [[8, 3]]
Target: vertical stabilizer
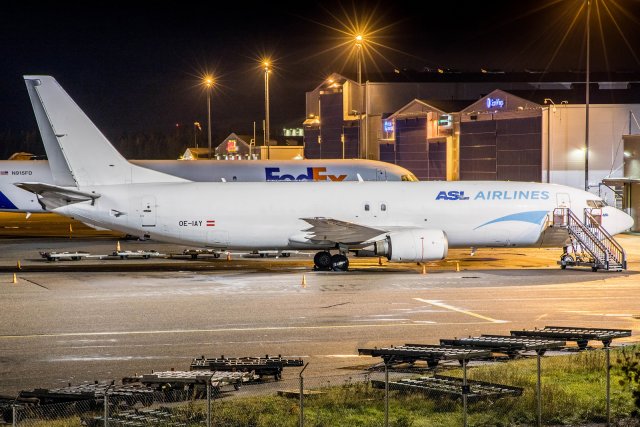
[[79, 154]]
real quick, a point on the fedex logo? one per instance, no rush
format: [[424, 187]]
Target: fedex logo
[[451, 195], [313, 174]]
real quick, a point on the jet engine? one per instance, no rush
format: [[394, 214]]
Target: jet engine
[[413, 245]]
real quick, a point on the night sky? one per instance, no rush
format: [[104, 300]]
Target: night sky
[[136, 67]]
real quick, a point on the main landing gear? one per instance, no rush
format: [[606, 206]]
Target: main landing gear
[[324, 261]]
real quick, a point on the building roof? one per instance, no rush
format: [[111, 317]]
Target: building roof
[[529, 76], [450, 105], [576, 94]]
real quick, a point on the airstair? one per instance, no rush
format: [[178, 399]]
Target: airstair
[[591, 245]]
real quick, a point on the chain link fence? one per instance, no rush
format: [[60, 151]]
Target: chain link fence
[[573, 391]]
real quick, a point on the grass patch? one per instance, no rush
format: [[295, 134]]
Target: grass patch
[[573, 393]]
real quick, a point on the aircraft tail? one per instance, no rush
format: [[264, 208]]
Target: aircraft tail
[[79, 154]]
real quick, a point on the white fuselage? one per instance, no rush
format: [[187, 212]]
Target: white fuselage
[[14, 199], [270, 215]]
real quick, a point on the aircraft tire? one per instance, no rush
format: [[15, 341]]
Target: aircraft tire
[[322, 260], [339, 262]]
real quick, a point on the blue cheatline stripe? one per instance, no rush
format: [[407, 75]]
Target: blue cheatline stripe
[[5, 203], [534, 217]]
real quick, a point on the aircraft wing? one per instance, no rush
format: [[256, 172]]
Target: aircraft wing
[[52, 196], [334, 230]]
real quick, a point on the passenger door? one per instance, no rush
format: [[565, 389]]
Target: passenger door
[[563, 200], [148, 214]]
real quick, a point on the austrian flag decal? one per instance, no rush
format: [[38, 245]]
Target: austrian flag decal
[[211, 223]]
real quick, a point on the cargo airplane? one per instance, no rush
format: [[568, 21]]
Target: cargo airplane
[[404, 221]]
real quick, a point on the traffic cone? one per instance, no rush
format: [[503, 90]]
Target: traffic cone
[[304, 281], [19, 266], [118, 246], [228, 256], [15, 279], [424, 269], [457, 266]]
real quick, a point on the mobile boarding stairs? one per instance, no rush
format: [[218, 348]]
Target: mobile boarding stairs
[[590, 244]]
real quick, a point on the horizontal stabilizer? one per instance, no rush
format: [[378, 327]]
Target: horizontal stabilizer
[[328, 229], [52, 196]]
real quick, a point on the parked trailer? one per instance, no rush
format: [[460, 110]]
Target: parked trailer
[[191, 383], [137, 254], [195, 253], [91, 394], [261, 366], [64, 256]]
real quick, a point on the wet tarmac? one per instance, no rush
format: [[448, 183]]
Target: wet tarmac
[[75, 321]]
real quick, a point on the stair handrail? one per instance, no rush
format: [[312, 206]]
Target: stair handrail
[[617, 251], [569, 219]]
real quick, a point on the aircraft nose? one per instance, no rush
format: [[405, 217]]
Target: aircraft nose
[[626, 221], [618, 221]]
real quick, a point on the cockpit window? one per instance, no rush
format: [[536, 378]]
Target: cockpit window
[[596, 204], [409, 177]]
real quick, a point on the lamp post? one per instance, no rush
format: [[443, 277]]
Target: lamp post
[[361, 144], [552, 106], [586, 139], [266, 107], [208, 83]]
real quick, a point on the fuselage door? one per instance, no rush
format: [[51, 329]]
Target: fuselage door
[[381, 175], [563, 200], [148, 213]]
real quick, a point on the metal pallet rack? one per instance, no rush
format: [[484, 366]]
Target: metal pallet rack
[[432, 354], [440, 385], [512, 346], [581, 336], [260, 366]]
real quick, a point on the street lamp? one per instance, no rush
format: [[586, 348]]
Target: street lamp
[[265, 65], [208, 83], [361, 143]]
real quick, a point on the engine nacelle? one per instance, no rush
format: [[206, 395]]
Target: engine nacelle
[[414, 245]]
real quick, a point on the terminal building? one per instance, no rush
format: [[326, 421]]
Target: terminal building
[[487, 126]]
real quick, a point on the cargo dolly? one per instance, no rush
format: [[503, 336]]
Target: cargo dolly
[[88, 391], [260, 366], [194, 383], [138, 417], [512, 346], [64, 256], [581, 336], [195, 253], [431, 354], [85, 397], [445, 386]]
